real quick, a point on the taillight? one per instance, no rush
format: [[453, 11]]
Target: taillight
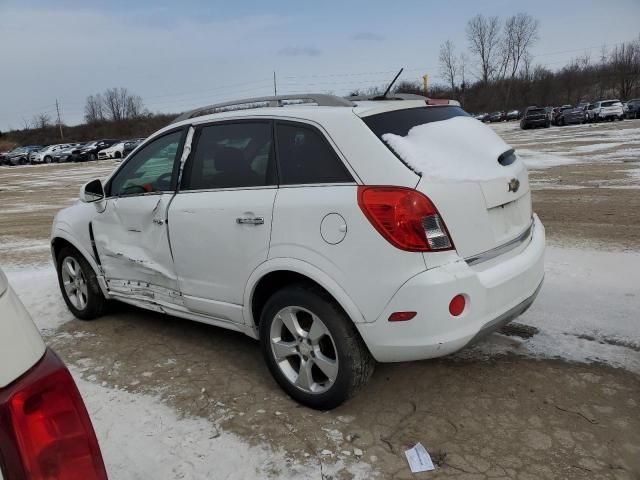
[[405, 217], [47, 427]]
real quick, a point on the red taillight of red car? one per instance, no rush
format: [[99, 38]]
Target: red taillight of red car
[[405, 217], [47, 427]]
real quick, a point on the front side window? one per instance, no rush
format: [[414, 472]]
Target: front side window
[[150, 170], [304, 156], [231, 155]]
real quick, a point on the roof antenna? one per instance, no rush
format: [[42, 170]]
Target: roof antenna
[[386, 92]]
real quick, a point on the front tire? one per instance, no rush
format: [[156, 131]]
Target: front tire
[[312, 348], [79, 285]]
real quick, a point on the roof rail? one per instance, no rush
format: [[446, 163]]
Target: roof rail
[[395, 96], [321, 99]]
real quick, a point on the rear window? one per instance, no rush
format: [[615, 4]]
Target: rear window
[[536, 111], [610, 104], [399, 122]]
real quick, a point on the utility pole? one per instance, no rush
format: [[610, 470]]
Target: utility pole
[[275, 87], [59, 122], [425, 83]]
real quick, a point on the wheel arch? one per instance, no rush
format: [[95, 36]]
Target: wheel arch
[[278, 273], [61, 239]]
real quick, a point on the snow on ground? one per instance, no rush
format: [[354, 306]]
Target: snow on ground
[[549, 147], [588, 310], [168, 446], [37, 287]]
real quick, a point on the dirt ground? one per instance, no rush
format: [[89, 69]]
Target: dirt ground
[[506, 417]]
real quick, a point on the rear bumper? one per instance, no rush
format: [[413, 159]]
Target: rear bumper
[[496, 291]]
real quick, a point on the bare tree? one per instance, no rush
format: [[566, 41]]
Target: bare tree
[[93, 109], [520, 34], [625, 66], [449, 64], [483, 34], [41, 121], [134, 107], [118, 104], [115, 103]]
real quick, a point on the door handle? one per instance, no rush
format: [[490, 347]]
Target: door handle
[[250, 220]]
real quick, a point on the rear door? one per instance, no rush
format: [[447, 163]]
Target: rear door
[[220, 221], [131, 232]]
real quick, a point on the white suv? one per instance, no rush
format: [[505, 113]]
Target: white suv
[[608, 110], [336, 231]]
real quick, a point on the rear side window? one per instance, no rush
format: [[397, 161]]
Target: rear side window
[[305, 156], [399, 122], [231, 155]]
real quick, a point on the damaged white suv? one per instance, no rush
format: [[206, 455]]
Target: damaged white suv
[[336, 231]]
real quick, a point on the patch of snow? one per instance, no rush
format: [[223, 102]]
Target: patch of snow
[[460, 148], [536, 160], [140, 437], [38, 289], [586, 311]]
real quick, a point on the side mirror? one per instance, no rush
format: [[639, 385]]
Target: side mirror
[[92, 191]]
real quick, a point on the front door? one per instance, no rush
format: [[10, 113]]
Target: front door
[[131, 233], [220, 221]]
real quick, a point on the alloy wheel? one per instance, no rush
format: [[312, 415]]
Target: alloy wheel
[[304, 350], [75, 285]]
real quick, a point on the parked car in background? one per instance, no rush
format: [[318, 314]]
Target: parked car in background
[[20, 156], [46, 430], [91, 149], [535, 117], [608, 110], [570, 115], [633, 108], [497, 117], [284, 224], [557, 114], [114, 151], [513, 115], [64, 155], [3, 156], [130, 146], [46, 154]]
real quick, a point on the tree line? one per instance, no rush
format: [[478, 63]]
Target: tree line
[[497, 70]]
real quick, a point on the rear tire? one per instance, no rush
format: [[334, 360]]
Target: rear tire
[[92, 156], [323, 361], [79, 285], [47, 159]]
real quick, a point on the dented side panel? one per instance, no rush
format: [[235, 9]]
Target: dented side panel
[[132, 241]]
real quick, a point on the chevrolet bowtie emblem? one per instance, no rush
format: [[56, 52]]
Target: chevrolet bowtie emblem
[[514, 185]]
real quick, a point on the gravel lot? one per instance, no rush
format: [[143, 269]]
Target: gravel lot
[[558, 396]]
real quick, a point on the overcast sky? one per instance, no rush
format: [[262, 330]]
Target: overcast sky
[[178, 55]]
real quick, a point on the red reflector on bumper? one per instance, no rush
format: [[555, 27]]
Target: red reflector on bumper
[[401, 316], [456, 307]]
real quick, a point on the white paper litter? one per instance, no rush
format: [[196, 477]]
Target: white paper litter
[[419, 459]]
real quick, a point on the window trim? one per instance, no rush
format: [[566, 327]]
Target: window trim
[[188, 164], [324, 139], [174, 173]]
